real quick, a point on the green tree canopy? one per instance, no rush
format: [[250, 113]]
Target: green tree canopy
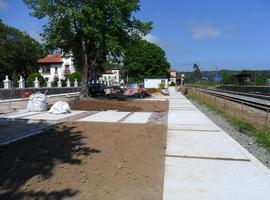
[[18, 52], [196, 74], [30, 79], [145, 59], [91, 29], [260, 80], [228, 78]]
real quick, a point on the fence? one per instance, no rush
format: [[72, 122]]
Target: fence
[[26, 92], [251, 115]]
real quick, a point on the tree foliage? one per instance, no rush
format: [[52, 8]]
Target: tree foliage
[[260, 80], [76, 75], [91, 29], [30, 79], [196, 74], [228, 78], [18, 52], [145, 59]]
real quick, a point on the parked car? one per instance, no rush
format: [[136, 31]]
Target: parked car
[[96, 89]]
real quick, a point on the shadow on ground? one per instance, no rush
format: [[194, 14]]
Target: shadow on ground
[[36, 157]]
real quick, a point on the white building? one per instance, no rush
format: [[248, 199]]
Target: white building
[[155, 82], [56, 66], [112, 75], [173, 76]]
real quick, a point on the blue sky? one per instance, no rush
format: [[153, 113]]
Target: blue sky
[[223, 34]]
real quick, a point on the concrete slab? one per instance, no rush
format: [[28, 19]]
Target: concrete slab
[[195, 179], [19, 115], [188, 127], [203, 162], [138, 117], [14, 130], [52, 117], [202, 144], [183, 108], [106, 116], [182, 117]]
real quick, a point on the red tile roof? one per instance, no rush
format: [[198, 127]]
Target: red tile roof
[[53, 58]]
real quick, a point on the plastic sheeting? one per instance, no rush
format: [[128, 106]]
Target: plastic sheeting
[[37, 103], [60, 107]]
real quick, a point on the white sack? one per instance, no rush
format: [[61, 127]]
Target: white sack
[[60, 107], [37, 103]]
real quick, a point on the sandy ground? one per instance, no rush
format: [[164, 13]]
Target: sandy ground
[[130, 105], [85, 161]]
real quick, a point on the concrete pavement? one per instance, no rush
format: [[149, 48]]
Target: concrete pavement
[[203, 162]]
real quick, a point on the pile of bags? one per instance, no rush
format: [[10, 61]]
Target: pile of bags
[[37, 103], [60, 107]]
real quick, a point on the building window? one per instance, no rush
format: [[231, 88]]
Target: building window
[[67, 70], [56, 71], [46, 69]]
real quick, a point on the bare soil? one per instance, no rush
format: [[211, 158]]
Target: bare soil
[[82, 160], [92, 104]]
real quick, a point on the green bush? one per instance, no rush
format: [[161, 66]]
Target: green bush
[[30, 79], [161, 86], [76, 75]]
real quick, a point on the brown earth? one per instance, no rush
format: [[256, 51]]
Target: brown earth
[[92, 104], [85, 161], [155, 92]]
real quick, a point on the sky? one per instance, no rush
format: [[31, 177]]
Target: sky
[[215, 34]]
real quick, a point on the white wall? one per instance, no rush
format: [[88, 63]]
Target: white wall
[[154, 83], [114, 77]]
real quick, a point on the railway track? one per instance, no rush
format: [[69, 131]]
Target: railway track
[[238, 97], [247, 94]]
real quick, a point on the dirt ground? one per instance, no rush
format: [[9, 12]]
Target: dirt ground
[[85, 161], [130, 105]]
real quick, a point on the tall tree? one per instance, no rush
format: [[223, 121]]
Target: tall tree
[[145, 59], [90, 29], [18, 52], [196, 74]]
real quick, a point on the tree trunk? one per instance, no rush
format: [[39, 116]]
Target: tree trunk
[[85, 74], [84, 86]]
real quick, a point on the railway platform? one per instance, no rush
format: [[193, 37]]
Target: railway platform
[[204, 162]]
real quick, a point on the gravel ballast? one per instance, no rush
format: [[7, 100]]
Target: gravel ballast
[[247, 141]]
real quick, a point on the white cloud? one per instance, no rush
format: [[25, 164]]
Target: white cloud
[[200, 32], [156, 40], [152, 38], [3, 5]]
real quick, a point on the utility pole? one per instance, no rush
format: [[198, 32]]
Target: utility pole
[[216, 76]]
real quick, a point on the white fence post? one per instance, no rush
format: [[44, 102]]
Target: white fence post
[[7, 83], [49, 84], [36, 83], [59, 83], [21, 83], [75, 83], [68, 83]]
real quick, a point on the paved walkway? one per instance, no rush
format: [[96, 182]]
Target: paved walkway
[[203, 162]]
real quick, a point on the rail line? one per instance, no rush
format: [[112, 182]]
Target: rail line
[[250, 103], [247, 94]]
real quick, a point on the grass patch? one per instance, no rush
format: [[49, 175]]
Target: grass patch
[[262, 135]]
